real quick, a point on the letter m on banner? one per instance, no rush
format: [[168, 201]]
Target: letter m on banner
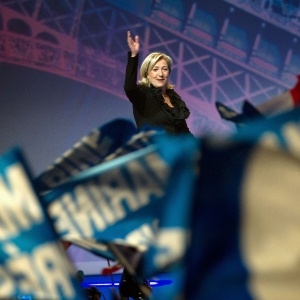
[[32, 262]]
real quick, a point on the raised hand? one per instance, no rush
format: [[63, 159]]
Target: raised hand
[[134, 45]]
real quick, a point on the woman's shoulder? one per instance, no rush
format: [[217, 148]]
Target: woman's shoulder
[[173, 94]]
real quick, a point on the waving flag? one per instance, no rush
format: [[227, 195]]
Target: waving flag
[[112, 140], [89, 151], [246, 212], [139, 199], [32, 261]]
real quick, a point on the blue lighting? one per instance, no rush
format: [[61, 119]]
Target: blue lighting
[[107, 281]]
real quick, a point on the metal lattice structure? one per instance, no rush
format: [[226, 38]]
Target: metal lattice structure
[[85, 40]]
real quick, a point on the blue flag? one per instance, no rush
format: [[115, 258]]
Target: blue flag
[[110, 141], [140, 199], [33, 262], [245, 215], [91, 150]]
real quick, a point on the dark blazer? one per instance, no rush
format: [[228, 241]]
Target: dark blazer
[[148, 104]]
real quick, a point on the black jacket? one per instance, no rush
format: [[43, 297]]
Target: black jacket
[[148, 104]]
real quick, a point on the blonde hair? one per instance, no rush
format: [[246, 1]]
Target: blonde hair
[[149, 63]]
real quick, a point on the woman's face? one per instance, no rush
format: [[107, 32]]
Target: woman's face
[[158, 76]]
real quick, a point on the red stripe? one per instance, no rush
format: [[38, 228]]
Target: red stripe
[[295, 92]]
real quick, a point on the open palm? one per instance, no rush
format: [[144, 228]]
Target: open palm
[[133, 44]]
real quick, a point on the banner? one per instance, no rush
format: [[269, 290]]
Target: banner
[[140, 199], [32, 261], [112, 140], [245, 215], [91, 150]]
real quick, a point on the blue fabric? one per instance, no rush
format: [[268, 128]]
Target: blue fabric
[[88, 152], [215, 262], [32, 262], [154, 191], [215, 268], [130, 198]]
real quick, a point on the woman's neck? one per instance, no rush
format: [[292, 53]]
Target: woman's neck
[[164, 91], [167, 99]]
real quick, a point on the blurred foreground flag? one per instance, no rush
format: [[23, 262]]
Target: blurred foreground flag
[[246, 215], [91, 150], [105, 143], [32, 261], [140, 199]]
